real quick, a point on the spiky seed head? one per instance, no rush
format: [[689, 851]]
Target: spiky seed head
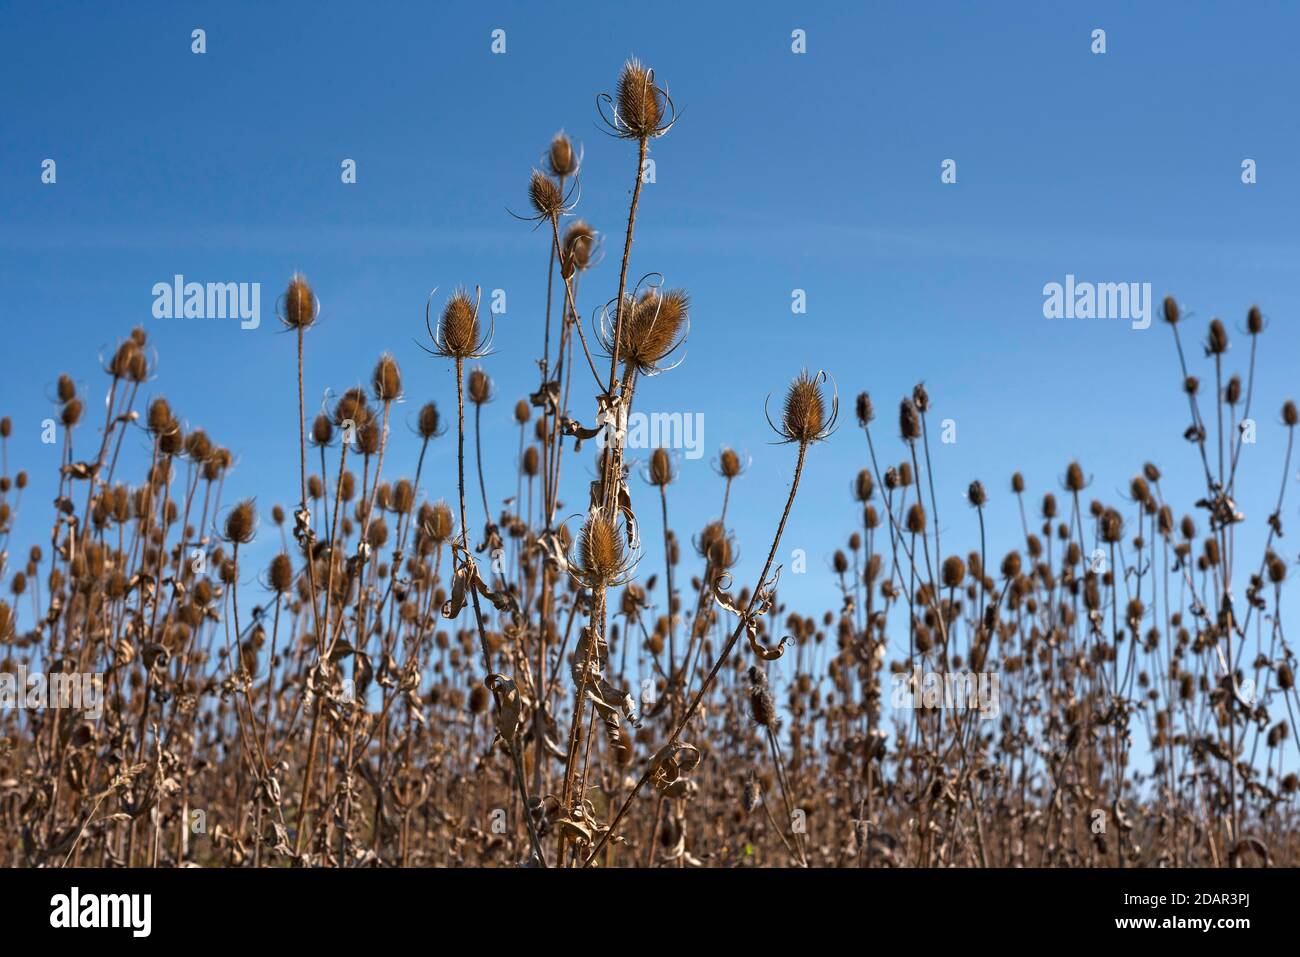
[[1011, 565], [429, 421], [479, 387], [281, 573], [299, 303], [1232, 393], [478, 699], [864, 486], [322, 430], [1171, 310], [1217, 341], [387, 379], [909, 421], [561, 157], [523, 412], [458, 331], [652, 326], [1254, 321], [640, 103], [159, 417], [729, 463], [67, 389], [661, 468], [240, 522], [577, 248], [6, 427], [916, 519], [1289, 414], [439, 523], [530, 465], [600, 549], [1074, 481], [865, 410], [71, 413], [954, 571], [803, 419], [544, 193], [1017, 483], [921, 398], [976, 495]]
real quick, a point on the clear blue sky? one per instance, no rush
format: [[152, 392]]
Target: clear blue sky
[[818, 171]]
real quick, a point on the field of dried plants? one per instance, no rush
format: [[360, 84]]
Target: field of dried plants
[[421, 678]]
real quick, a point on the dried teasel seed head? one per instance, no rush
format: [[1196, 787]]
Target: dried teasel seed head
[[976, 495], [429, 421], [561, 157], [729, 464], [866, 412], [577, 248], [67, 389], [281, 573], [479, 387], [544, 193], [1254, 321], [661, 468], [1017, 482], [387, 379], [921, 398], [478, 699], [954, 571], [600, 549], [530, 462], [909, 421], [864, 486], [1074, 480], [640, 103], [71, 413], [458, 331], [240, 522], [299, 303], [1232, 392], [1217, 341], [322, 430], [439, 523], [915, 519], [1171, 310], [804, 419], [652, 328], [523, 412], [1289, 414]]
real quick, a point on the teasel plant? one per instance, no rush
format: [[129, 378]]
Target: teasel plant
[[374, 696]]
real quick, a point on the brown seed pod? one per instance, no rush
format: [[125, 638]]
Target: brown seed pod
[[562, 159], [459, 335], [479, 387], [240, 522], [804, 419], [523, 412], [281, 573], [641, 106], [1217, 341], [577, 249], [661, 468], [601, 556], [653, 329], [300, 307], [545, 196], [909, 421], [387, 379], [429, 421]]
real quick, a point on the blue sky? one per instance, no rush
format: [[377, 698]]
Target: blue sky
[[818, 172]]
